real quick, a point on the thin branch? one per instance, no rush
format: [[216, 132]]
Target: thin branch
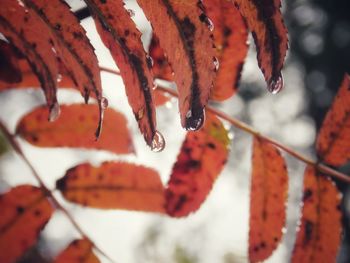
[[245, 127], [46, 190]]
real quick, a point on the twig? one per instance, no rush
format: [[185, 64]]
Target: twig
[[46, 190], [245, 127]]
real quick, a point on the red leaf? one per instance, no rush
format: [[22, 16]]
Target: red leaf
[[230, 38], [114, 186], [268, 197], [186, 41], [25, 210], [333, 142], [265, 21], [201, 159], [9, 69], [319, 234], [74, 127], [121, 37], [78, 251]]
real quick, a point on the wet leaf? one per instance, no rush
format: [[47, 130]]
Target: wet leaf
[[74, 129], [115, 185], [333, 142], [186, 39], [319, 235], [230, 38], [25, 210], [265, 21], [268, 197], [121, 37], [200, 161], [80, 250], [9, 69]]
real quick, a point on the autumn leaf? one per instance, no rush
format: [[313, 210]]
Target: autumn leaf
[[74, 129], [333, 141], [319, 234], [115, 185], [80, 250], [230, 39], [268, 197], [122, 38], [200, 161], [25, 210], [186, 39], [9, 68], [265, 21]]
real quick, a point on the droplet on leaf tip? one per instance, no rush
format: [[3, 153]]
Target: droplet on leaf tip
[[54, 112], [275, 84], [194, 123], [158, 142]]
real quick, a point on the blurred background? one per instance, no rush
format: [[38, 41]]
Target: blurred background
[[319, 55]]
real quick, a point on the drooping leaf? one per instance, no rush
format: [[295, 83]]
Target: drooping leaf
[[265, 21], [9, 69], [80, 250], [25, 210], [182, 29], [319, 235], [74, 129], [268, 197], [31, 37], [230, 38], [333, 142], [200, 161], [160, 65], [122, 38], [114, 186]]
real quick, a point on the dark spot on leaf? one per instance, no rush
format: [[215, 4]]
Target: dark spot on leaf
[[20, 209], [308, 231], [211, 145], [307, 194]]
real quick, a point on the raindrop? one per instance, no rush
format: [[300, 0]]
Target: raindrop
[[59, 78], [149, 61], [275, 84], [104, 103], [194, 123], [216, 63], [131, 12], [158, 142], [54, 112]]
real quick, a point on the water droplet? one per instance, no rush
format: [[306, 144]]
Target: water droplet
[[59, 78], [194, 123], [216, 63], [149, 61], [140, 114], [158, 142], [131, 12], [275, 84], [210, 24], [155, 86], [104, 103], [54, 112]]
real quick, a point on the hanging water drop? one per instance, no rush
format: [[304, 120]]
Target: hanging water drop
[[216, 63], [104, 103], [158, 142], [131, 12], [275, 84], [194, 122], [55, 112], [59, 78]]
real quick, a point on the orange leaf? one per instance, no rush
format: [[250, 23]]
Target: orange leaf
[[187, 42], [31, 36], [121, 37], [319, 234], [265, 21], [9, 69], [230, 38], [114, 186], [201, 159], [24, 212], [78, 251], [267, 200], [333, 142], [74, 127]]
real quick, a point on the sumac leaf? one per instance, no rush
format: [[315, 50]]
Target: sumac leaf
[[268, 197], [333, 142], [200, 161], [187, 42], [319, 235], [115, 185], [80, 250], [121, 37], [265, 21], [74, 128], [9, 68], [230, 38], [25, 210]]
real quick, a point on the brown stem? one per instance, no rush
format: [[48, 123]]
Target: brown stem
[[46, 190], [245, 127]]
